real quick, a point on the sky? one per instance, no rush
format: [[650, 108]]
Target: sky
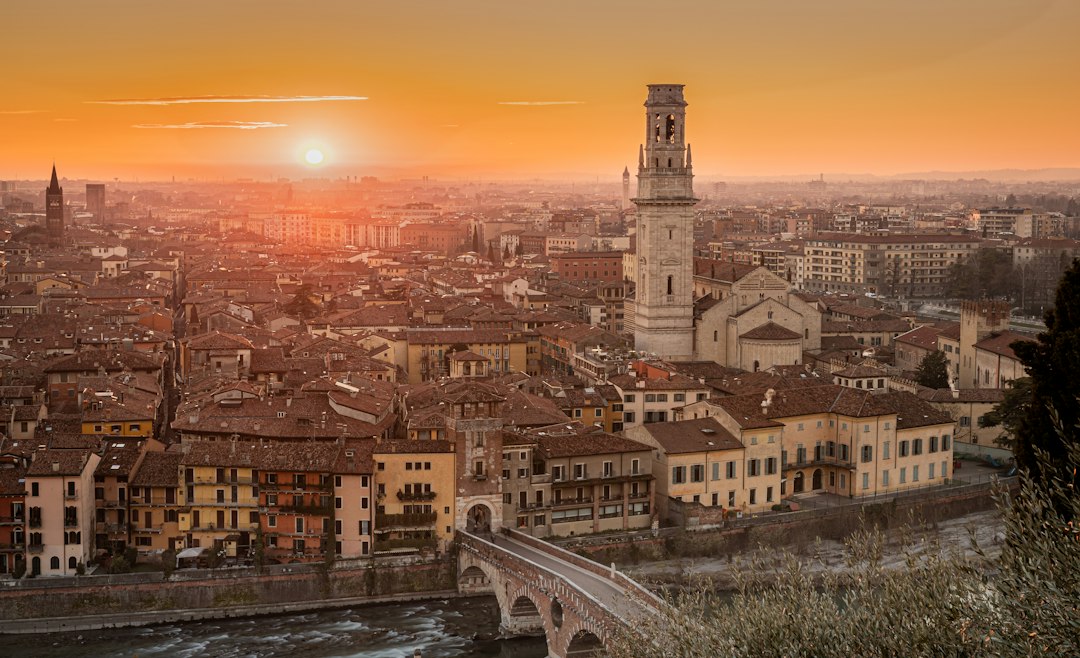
[[502, 89]]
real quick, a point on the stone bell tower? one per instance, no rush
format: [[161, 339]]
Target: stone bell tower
[[664, 304]]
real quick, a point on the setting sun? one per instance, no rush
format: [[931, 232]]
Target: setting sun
[[313, 157]]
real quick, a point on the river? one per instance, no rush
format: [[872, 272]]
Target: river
[[457, 627]]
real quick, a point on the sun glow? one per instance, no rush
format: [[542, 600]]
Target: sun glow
[[314, 157]]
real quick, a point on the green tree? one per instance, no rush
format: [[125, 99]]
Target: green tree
[[301, 304], [1053, 361], [933, 370], [1010, 412]]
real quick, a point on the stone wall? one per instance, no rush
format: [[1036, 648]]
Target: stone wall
[[793, 530], [92, 595]]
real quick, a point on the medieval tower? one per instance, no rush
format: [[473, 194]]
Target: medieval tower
[[54, 209], [664, 308]]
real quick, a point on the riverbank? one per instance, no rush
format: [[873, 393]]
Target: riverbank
[[136, 619]]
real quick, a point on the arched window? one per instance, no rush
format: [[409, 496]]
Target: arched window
[[757, 365], [72, 562], [54, 563], [669, 163], [671, 285], [715, 336], [670, 129]]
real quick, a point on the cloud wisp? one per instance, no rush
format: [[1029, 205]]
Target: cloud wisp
[[190, 100], [22, 111], [195, 125], [540, 103]]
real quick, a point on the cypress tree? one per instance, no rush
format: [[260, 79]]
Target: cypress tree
[[1053, 362]]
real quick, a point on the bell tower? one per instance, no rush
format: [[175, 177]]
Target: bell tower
[[664, 304], [54, 209]]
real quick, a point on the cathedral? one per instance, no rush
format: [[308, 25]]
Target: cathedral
[[739, 316]]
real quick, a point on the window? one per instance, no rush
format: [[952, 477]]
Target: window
[[915, 473], [753, 467], [609, 469], [33, 488], [903, 450], [930, 471], [946, 442], [730, 470], [580, 471], [885, 478], [628, 416], [885, 450], [865, 481], [629, 397], [965, 421], [715, 472], [557, 473], [753, 496], [679, 397], [731, 499], [697, 473], [867, 453], [916, 448], [678, 475], [770, 466], [933, 447]]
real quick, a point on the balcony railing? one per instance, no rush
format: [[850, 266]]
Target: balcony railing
[[392, 544], [386, 522], [639, 495], [416, 495], [35, 548], [823, 460], [116, 528], [71, 523], [152, 530], [11, 520], [568, 502]]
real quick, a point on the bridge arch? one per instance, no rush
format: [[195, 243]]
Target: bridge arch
[[584, 644]]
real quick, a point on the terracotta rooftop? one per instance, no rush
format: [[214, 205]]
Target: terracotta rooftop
[[695, 435], [770, 331]]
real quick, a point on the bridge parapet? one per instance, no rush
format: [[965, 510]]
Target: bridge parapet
[[642, 593]]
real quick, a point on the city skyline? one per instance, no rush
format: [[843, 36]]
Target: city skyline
[[479, 89]]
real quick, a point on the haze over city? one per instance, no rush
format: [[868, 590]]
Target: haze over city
[[512, 90]]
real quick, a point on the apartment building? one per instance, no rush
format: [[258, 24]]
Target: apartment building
[[60, 511], [903, 265]]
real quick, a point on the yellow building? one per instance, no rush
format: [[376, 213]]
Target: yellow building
[[429, 351], [219, 500], [699, 461], [155, 503], [415, 484], [845, 441]]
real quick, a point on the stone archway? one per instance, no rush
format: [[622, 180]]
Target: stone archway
[[798, 483], [584, 644], [478, 519], [473, 579], [817, 480]]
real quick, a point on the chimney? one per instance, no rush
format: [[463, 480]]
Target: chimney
[[56, 467]]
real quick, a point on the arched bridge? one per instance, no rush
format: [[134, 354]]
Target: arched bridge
[[576, 603]]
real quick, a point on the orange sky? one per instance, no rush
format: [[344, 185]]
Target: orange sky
[[775, 86]]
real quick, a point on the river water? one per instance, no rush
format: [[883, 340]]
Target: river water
[[440, 629]]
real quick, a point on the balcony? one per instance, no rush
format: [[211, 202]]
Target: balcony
[[19, 546], [819, 461], [321, 509], [11, 520], [35, 548], [116, 528], [71, 522], [387, 522], [385, 545], [152, 530], [570, 502], [641, 495], [532, 507], [417, 495]]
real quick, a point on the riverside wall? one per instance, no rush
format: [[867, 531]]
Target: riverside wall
[[796, 530], [47, 604]]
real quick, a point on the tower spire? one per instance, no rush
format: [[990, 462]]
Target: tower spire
[[54, 184]]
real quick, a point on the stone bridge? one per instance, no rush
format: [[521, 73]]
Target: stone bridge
[[577, 604]]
